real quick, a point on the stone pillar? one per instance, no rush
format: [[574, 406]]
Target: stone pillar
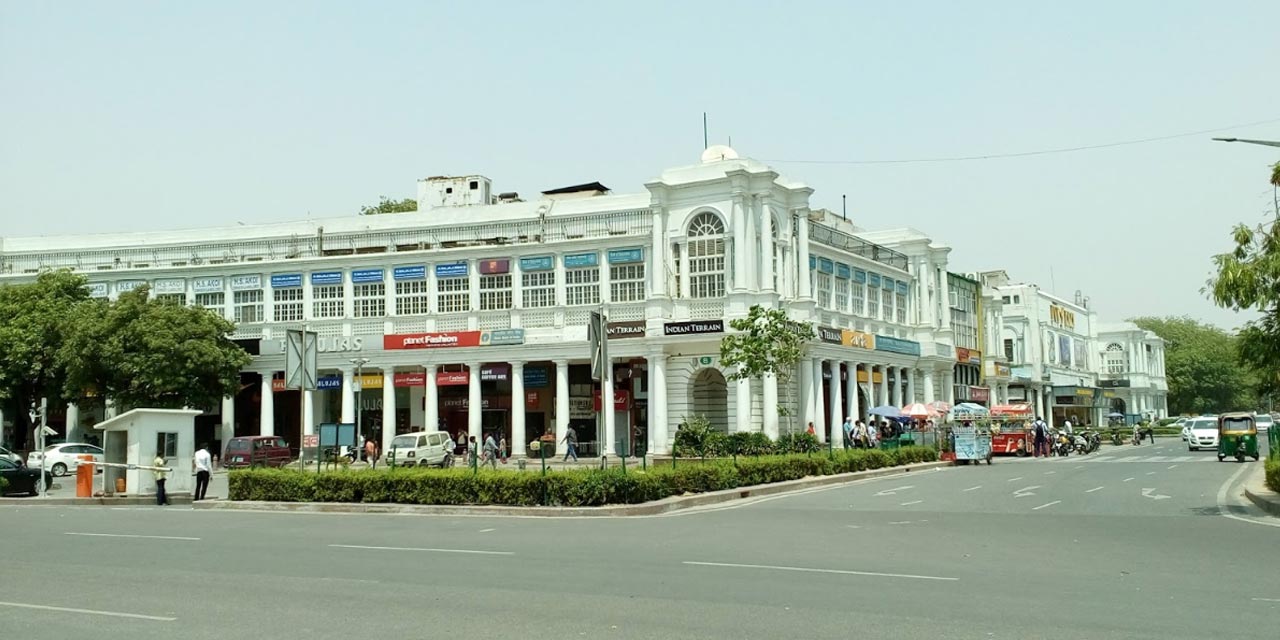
[[837, 407], [911, 385], [819, 398], [518, 436], [267, 407], [228, 430], [610, 415], [738, 226], [853, 402], [770, 408], [802, 260], [928, 386], [766, 245], [658, 401], [742, 405], [562, 402], [389, 409], [431, 398], [945, 300], [806, 391], [348, 397], [474, 402], [751, 275], [658, 263], [685, 288], [308, 412], [73, 423]]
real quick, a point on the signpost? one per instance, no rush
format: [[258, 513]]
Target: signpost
[[300, 371]]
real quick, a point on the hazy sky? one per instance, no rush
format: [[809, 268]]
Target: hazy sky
[[120, 116]]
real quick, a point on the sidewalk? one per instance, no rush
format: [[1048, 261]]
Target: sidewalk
[[1255, 488]]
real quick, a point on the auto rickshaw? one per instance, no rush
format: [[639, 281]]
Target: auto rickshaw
[[1237, 436]]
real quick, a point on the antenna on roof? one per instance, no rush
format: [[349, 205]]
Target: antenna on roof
[[704, 131], [844, 207]]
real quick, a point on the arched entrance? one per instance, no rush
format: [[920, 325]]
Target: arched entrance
[[708, 396], [1117, 406]]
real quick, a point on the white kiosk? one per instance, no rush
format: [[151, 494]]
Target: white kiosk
[[135, 437]]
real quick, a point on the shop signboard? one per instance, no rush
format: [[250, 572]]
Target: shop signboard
[[360, 276], [494, 266], [873, 280], [410, 379], [581, 409], [537, 263], [1114, 384], [980, 394], [628, 329], [1061, 317], [621, 400], [246, 282], [326, 277], [499, 337], [842, 271], [486, 403], [537, 377], [451, 270], [887, 284], [1003, 371], [453, 378], [286, 280], [625, 256], [206, 285], [531, 400], [410, 272], [369, 381], [328, 382], [862, 376], [897, 345], [859, 276], [968, 356], [851, 338], [577, 260], [694, 327], [431, 340], [97, 289], [169, 285], [903, 288], [829, 335], [495, 373], [826, 265], [125, 286], [324, 344]]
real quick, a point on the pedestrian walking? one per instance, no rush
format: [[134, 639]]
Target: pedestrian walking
[[847, 427], [371, 453], [460, 443], [873, 436], [571, 445], [1041, 438], [202, 464], [472, 450], [490, 452], [161, 475], [502, 449]]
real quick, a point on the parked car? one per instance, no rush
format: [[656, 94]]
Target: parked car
[[1202, 432], [20, 479], [61, 459], [1181, 423], [6, 454], [422, 449], [256, 451]]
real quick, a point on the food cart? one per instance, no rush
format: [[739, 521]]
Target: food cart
[[971, 442], [1011, 429]]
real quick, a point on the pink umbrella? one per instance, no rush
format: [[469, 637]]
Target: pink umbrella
[[940, 407], [918, 410]]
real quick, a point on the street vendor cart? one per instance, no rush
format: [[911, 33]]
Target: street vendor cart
[[1011, 433], [971, 442]]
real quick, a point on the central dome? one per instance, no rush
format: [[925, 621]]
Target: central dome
[[718, 152]]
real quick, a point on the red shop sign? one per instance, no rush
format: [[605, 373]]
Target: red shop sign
[[453, 378], [411, 379], [621, 400], [431, 340], [277, 384], [531, 400], [980, 394]]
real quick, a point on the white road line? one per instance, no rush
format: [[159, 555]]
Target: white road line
[[901, 522], [907, 504], [1171, 466], [471, 551], [1014, 479], [92, 612], [1265, 599], [1049, 473], [1047, 504], [122, 535], [1079, 466], [1128, 479], [1095, 489], [1151, 473], [810, 570], [972, 489], [487, 530]]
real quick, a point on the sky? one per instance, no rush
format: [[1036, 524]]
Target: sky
[[136, 116]]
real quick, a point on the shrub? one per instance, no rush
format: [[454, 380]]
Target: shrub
[[1273, 474], [695, 438], [748, 443], [797, 443]]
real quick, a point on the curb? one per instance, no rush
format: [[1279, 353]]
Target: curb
[[1255, 489], [666, 505], [130, 501]]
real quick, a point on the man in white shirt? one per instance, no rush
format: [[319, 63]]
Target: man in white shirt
[[202, 463], [1066, 426]]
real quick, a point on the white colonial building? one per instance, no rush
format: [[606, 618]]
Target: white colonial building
[[1132, 373], [471, 313]]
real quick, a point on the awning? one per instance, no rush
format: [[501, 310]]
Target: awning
[[1011, 410]]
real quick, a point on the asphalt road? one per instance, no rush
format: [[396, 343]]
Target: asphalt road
[[1129, 543]]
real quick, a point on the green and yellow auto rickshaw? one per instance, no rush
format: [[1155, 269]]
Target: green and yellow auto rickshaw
[[1237, 436]]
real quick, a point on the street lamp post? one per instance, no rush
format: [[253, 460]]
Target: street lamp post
[[359, 363], [1265, 143]]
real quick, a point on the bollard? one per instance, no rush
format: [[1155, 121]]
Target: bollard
[[84, 477]]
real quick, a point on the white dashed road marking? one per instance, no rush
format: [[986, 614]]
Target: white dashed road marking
[[1047, 504]]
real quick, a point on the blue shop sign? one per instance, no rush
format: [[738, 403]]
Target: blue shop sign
[[326, 277], [453, 270], [496, 337], [329, 382], [540, 263], [897, 345], [366, 275], [286, 280], [842, 271], [414, 272], [902, 288], [873, 279], [623, 256], [536, 377], [825, 265], [859, 276], [582, 260]]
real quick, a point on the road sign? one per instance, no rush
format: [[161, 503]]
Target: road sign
[[300, 359], [598, 336], [310, 441]]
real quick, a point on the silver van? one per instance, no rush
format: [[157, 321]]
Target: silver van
[[421, 449]]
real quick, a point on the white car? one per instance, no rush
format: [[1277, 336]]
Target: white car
[[61, 459], [1182, 423], [1264, 422], [1202, 433]]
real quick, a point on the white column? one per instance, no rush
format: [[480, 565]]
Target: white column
[[473, 274], [945, 301], [228, 421], [348, 397], [473, 401], [389, 409], [770, 417], [884, 385], [658, 262], [685, 289], [766, 245], [819, 398], [806, 391], [951, 387], [73, 423], [911, 385], [742, 405], [604, 277], [610, 416], [751, 275], [517, 285], [431, 397], [852, 401], [802, 260], [517, 409], [658, 402], [837, 406], [267, 407], [740, 264], [562, 403], [562, 295], [928, 386], [308, 412]]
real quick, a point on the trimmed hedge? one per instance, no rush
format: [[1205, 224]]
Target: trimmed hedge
[[574, 488], [1273, 474]]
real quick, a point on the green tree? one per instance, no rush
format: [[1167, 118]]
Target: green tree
[[767, 341], [389, 206], [145, 353], [1248, 279], [34, 321], [1201, 366]]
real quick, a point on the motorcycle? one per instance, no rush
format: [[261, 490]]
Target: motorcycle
[[1093, 441], [1116, 438], [1063, 445]]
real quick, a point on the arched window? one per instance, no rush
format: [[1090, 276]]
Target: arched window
[[1116, 362], [706, 256]]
